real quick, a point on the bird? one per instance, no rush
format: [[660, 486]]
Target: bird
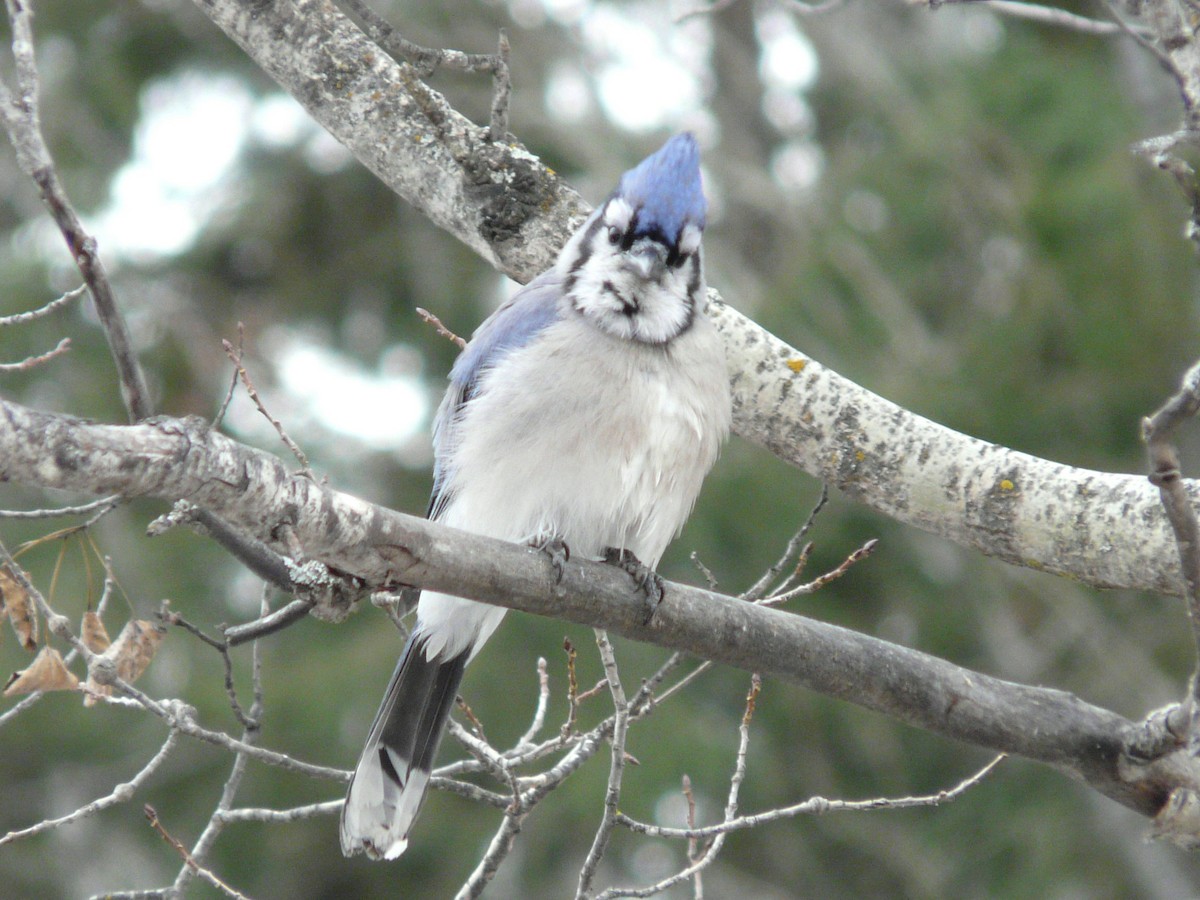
[[581, 418]]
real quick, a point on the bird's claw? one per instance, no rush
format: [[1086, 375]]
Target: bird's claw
[[646, 580], [558, 552]]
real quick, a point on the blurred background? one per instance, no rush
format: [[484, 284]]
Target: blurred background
[[942, 206]]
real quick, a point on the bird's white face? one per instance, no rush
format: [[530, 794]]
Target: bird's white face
[[634, 284]]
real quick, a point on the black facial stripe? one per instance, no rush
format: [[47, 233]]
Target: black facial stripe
[[628, 309], [631, 230], [585, 252]]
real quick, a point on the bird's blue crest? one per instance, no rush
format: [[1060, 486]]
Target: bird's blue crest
[[665, 189]]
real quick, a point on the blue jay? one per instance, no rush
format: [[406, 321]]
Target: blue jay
[[583, 414]]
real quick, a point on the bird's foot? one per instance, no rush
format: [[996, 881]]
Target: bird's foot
[[648, 581], [558, 552]]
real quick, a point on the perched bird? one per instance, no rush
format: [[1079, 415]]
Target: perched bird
[[583, 415]]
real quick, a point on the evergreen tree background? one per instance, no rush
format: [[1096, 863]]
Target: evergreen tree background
[[947, 211]]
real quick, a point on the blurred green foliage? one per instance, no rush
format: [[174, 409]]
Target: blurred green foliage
[[980, 246]]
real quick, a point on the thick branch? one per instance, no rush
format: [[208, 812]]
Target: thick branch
[[1103, 529], [171, 458]]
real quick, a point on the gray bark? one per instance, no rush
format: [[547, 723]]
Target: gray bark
[[1103, 529], [184, 458]]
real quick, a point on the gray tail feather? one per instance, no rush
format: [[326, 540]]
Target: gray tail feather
[[388, 786]]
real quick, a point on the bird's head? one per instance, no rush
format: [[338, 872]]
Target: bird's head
[[635, 268]]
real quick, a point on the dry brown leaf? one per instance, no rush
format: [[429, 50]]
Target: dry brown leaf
[[135, 647], [132, 651], [92, 633], [16, 602], [47, 672]]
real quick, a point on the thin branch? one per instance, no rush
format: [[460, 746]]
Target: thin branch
[[612, 794], [189, 862], [1165, 475], [427, 60], [52, 306], [815, 806], [21, 119], [121, 793], [821, 581], [104, 504], [441, 329], [32, 361], [756, 590], [235, 355], [277, 816]]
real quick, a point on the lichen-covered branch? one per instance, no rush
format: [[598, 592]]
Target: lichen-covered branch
[[1103, 529]]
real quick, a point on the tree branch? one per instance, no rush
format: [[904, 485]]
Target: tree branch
[[169, 458], [1103, 529]]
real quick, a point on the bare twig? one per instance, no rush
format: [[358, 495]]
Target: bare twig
[[612, 794], [52, 306], [31, 361], [427, 60], [1164, 474], [121, 793], [445, 332], [104, 504], [543, 702], [189, 862], [295, 814], [233, 378], [21, 119], [821, 580], [268, 624], [235, 354], [815, 806], [759, 588]]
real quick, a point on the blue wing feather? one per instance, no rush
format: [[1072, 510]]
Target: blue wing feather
[[517, 322]]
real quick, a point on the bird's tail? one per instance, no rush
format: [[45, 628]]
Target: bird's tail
[[389, 783]]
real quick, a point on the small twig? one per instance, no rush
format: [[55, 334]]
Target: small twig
[[1165, 475], [121, 793], [476, 725], [427, 61], [295, 814], [693, 847], [32, 361], [612, 795], [697, 865], [222, 647], [1046, 15], [21, 119], [543, 702], [445, 332], [821, 580], [233, 379], [759, 588], [269, 624], [815, 806], [248, 550], [105, 504], [52, 306], [235, 354], [709, 578], [188, 861]]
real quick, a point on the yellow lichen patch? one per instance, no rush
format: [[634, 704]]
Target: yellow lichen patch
[[1006, 485], [859, 455], [797, 364]]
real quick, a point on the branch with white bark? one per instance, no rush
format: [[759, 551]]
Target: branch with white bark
[[254, 492], [1103, 529]]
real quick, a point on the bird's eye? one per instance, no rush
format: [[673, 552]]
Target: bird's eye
[[614, 234]]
